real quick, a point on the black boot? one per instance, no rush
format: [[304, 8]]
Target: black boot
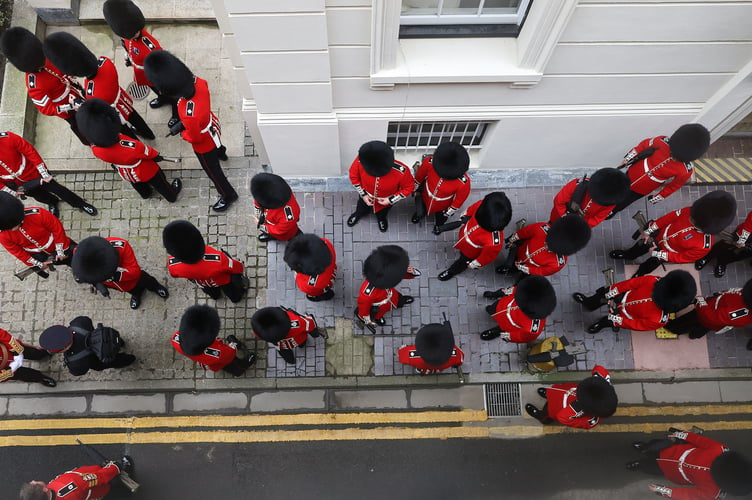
[[288, 355]]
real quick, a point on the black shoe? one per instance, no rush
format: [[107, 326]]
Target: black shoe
[[542, 392], [383, 225], [599, 325], [223, 203], [415, 219], [177, 185], [491, 309], [634, 465], [89, 209], [54, 210], [404, 300], [328, 295], [157, 102], [533, 411], [497, 294], [128, 359], [232, 339], [250, 360], [638, 445], [504, 270], [749, 345], [352, 220], [579, 297], [380, 321], [490, 334], [288, 355], [616, 254], [125, 464], [222, 153], [719, 271], [173, 121], [135, 301], [445, 275], [699, 264], [263, 237], [436, 230], [48, 381], [162, 292]]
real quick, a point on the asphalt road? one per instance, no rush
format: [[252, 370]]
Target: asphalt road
[[568, 466]]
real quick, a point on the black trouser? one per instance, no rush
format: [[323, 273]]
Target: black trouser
[[74, 127], [459, 265], [210, 163], [50, 193], [158, 182], [652, 450], [140, 125], [638, 249], [145, 282], [420, 210], [234, 290], [25, 374], [726, 253], [237, 366], [688, 324], [361, 210], [631, 198], [595, 301]]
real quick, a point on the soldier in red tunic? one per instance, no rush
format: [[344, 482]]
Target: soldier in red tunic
[[13, 352], [434, 350], [285, 328], [24, 173], [198, 339], [383, 270], [642, 303], [581, 405], [276, 210], [705, 468], [683, 235], [380, 180], [315, 265], [49, 88], [481, 237], [521, 310], [101, 79], [195, 121], [33, 235], [133, 160], [725, 252], [543, 248], [591, 198], [214, 271], [441, 183], [90, 482], [721, 312], [127, 21], [110, 263], [654, 162]]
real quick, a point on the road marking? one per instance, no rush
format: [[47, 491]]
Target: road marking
[[650, 411]]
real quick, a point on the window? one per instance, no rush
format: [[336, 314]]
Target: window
[[425, 136], [462, 18]]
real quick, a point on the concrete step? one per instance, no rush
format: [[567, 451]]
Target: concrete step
[[160, 11]]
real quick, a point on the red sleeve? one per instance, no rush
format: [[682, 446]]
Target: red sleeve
[[54, 225], [14, 248], [490, 250], [422, 173], [643, 145], [683, 174], [745, 226], [702, 441], [406, 182], [631, 283], [201, 115], [567, 417], [528, 231], [227, 263], [668, 218], [461, 194], [26, 149], [561, 199], [355, 173], [470, 212], [104, 474]]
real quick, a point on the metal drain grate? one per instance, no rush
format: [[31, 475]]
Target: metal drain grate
[[502, 399]]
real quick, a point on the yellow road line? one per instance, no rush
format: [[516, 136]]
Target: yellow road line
[[641, 411]]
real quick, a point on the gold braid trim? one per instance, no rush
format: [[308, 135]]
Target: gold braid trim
[[16, 345]]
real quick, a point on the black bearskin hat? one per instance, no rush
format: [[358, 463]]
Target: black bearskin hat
[[11, 211], [199, 327], [94, 260], [386, 266], [450, 160], [169, 74], [535, 296], [732, 472], [713, 212], [608, 186], [434, 343], [689, 142], [22, 49], [271, 323], [124, 18], [270, 190], [183, 241], [308, 254], [99, 122], [597, 397], [70, 55], [747, 293], [568, 235], [675, 291], [377, 158], [494, 212]]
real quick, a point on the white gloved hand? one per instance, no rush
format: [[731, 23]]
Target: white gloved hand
[[16, 363]]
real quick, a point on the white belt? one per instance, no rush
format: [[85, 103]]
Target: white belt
[[208, 127], [386, 300], [63, 95], [17, 173], [434, 197], [624, 305], [509, 317], [128, 166], [681, 464], [44, 247]]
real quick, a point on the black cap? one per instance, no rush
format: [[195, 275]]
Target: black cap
[[608, 186], [732, 472], [271, 323], [597, 397], [70, 55], [94, 260], [675, 291], [199, 327], [747, 293], [713, 212], [689, 142], [11, 211], [377, 158], [450, 160], [535, 296], [124, 18], [270, 190], [494, 212], [308, 254], [56, 338], [386, 266], [99, 122], [568, 235], [169, 74], [434, 343], [23, 49], [183, 241]]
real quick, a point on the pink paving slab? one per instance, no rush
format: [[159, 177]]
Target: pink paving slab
[[650, 353]]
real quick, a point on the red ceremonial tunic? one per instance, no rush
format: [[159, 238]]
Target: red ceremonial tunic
[[744, 230], [137, 50], [533, 256], [384, 299], [202, 128], [725, 309], [300, 327], [90, 482], [316, 285], [679, 241], [636, 310], [518, 326], [132, 159], [14, 347], [19, 161], [49, 89], [408, 355], [213, 270], [281, 223], [215, 357], [593, 213], [40, 232], [689, 463], [441, 194], [559, 399], [128, 271], [648, 174], [395, 185], [105, 86], [477, 243]]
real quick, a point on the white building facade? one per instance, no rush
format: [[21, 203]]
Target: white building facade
[[582, 81]]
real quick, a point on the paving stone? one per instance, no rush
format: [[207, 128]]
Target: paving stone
[[50, 405], [288, 400], [460, 397], [683, 392], [209, 401], [629, 394], [735, 391], [383, 399], [155, 403]]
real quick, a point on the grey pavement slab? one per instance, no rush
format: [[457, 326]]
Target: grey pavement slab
[[289, 400], [630, 394], [735, 390], [52, 405], [683, 392], [209, 401], [373, 399], [151, 403], [462, 397]]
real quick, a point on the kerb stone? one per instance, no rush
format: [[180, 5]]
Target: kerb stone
[[210, 401]]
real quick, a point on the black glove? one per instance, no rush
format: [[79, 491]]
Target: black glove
[[176, 128], [99, 287], [158, 158], [128, 62]]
